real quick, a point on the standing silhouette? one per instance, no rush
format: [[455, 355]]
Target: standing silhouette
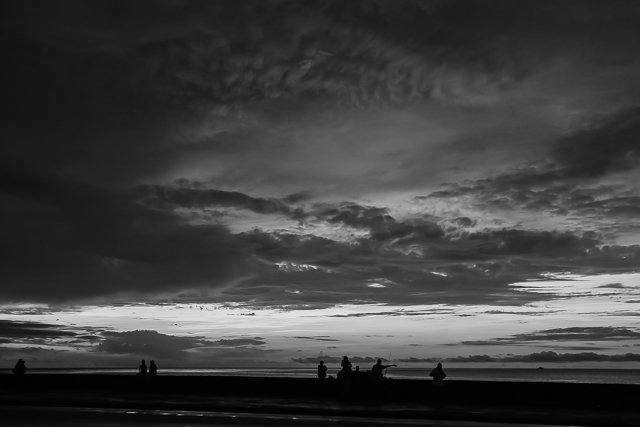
[[346, 368], [344, 377], [142, 369], [438, 390], [438, 375], [346, 365], [322, 370], [153, 369]]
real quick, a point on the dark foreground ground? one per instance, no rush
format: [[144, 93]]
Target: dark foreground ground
[[110, 400]]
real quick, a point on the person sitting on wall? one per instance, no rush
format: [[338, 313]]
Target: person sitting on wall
[[376, 370], [322, 370], [20, 368]]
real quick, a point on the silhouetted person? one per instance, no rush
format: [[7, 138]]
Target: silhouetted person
[[142, 370], [344, 375], [438, 392], [356, 375], [376, 370], [346, 368], [346, 365], [438, 375], [153, 369], [322, 370], [20, 367], [358, 383]]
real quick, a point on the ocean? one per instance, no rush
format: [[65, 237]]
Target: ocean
[[599, 376]]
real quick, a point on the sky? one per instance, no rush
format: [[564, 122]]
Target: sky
[[278, 182]]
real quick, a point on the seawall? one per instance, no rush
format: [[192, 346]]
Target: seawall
[[490, 393]]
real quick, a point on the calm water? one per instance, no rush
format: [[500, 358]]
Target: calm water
[[603, 376]]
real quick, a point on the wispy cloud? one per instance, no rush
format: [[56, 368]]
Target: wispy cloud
[[593, 333]]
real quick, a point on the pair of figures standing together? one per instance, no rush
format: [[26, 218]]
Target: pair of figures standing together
[[142, 369]]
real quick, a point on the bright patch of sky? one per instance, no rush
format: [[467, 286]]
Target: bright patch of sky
[[373, 330]]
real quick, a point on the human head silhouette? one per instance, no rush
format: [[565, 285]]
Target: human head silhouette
[[321, 362], [439, 365], [379, 362]]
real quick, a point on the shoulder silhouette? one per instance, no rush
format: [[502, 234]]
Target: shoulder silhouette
[[438, 375]]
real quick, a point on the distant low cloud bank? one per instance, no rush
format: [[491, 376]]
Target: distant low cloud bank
[[544, 356]]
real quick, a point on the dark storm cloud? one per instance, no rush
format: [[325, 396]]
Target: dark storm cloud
[[165, 197], [421, 262], [398, 313], [111, 100], [235, 342], [614, 286], [522, 313], [112, 84], [608, 147], [468, 267], [16, 329], [35, 310], [37, 333], [158, 345], [64, 240], [382, 226], [149, 344], [514, 242], [369, 273], [595, 333], [566, 181], [34, 353], [315, 338], [317, 250]]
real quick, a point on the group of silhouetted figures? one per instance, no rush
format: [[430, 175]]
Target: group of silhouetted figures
[[375, 375], [346, 373], [143, 371]]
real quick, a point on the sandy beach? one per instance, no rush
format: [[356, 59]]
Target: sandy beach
[[251, 399]]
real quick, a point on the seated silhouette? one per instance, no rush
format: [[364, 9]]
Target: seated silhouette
[[322, 370], [142, 369], [20, 368], [377, 370], [153, 369]]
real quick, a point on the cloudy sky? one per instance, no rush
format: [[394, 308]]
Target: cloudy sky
[[267, 182]]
